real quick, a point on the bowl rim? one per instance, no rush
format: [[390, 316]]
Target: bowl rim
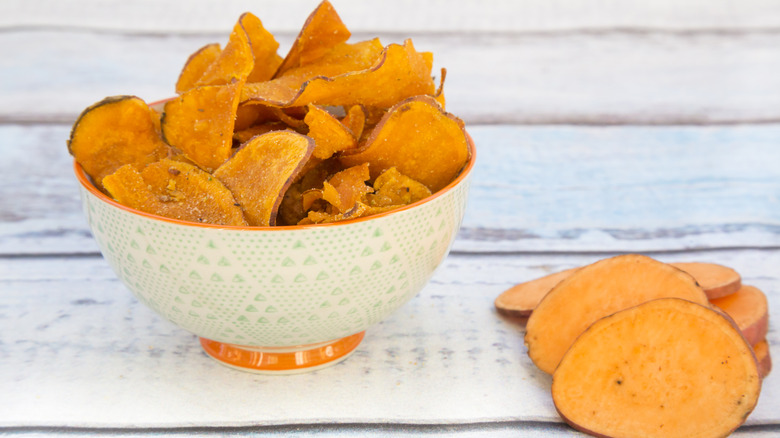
[[87, 184]]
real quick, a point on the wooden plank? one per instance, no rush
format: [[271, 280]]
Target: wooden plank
[[578, 78], [69, 330], [401, 15], [534, 189]]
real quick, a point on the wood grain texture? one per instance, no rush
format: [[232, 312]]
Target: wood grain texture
[[398, 15], [571, 78], [127, 368], [534, 189]]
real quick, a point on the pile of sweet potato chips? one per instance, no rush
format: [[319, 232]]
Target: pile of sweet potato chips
[[333, 131]]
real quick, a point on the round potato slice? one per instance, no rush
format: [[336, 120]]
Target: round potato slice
[[666, 368], [598, 290]]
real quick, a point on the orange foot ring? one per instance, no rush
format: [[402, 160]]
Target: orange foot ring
[[290, 360]]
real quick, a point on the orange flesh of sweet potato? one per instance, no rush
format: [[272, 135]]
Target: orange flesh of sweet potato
[[405, 139], [763, 357], [260, 173], [200, 123], [716, 280], [234, 63], [196, 65], [521, 299], [749, 309], [116, 131], [175, 190], [322, 31], [598, 290], [264, 47], [329, 134], [666, 368]]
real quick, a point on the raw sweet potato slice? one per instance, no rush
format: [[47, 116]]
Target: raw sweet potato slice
[[234, 63], [418, 138], [763, 357], [116, 131], [394, 188], [598, 290], [716, 280], [264, 47], [200, 123], [322, 31], [260, 173], [666, 368], [175, 190], [749, 309], [196, 65], [521, 299], [329, 134]]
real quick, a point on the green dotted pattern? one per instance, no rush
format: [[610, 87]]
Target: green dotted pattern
[[282, 287]]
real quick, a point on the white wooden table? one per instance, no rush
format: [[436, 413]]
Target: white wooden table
[[602, 128]]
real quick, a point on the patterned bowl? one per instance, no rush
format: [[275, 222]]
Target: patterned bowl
[[277, 299]]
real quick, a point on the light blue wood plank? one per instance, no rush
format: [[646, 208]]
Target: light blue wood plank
[[623, 188], [536, 189]]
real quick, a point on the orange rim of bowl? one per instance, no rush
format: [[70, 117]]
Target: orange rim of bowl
[[85, 182]]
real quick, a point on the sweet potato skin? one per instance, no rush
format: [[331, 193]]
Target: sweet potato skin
[[664, 368], [598, 290], [763, 357]]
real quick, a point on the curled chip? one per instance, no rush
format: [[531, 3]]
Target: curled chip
[[263, 169], [358, 211], [329, 134], [394, 188], [263, 45], [200, 123], [244, 135], [116, 131], [345, 189], [342, 59], [355, 121], [234, 63], [175, 190], [419, 139], [196, 66], [322, 31], [398, 73]]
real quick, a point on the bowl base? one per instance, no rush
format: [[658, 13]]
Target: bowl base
[[282, 360]]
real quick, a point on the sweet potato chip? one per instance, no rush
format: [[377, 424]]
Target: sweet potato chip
[[234, 63], [344, 189], [200, 123], [196, 66], [419, 139], [116, 131], [322, 31], [329, 134], [394, 188], [175, 190], [245, 135], [342, 59], [358, 211], [355, 121], [260, 173], [264, 47]]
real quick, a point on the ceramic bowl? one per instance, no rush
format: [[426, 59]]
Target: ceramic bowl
[[277, 299]]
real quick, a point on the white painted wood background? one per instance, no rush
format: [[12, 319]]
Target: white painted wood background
[[602, 127]]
